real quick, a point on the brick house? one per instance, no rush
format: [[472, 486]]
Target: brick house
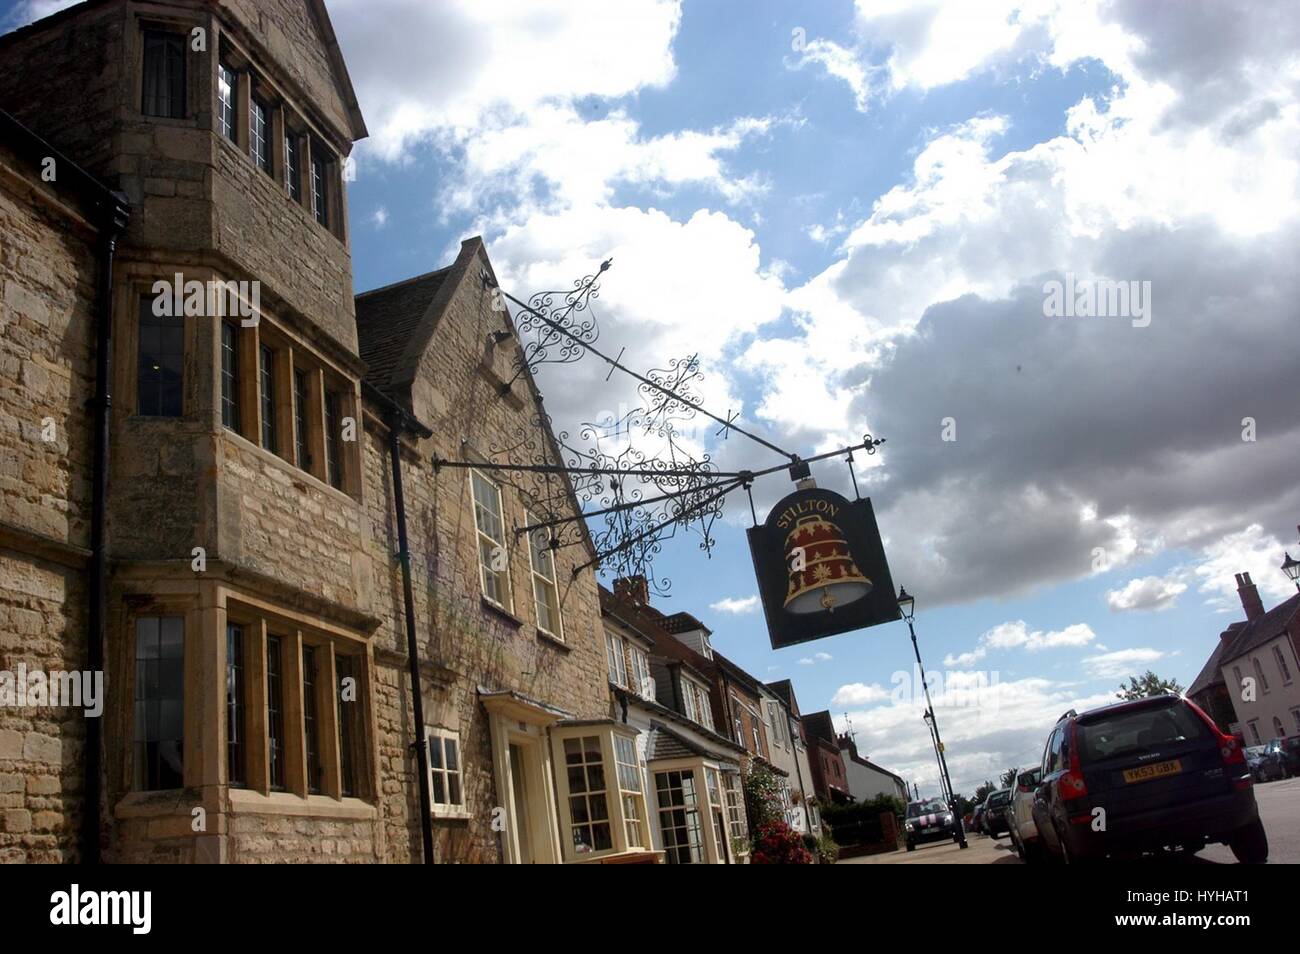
[[669, 693], [253, 612], [1248, 685], [788, 753], [830, 778]]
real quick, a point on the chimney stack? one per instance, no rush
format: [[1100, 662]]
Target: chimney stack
[[633, 589], [1250, 600]]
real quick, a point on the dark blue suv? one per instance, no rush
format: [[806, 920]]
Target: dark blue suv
[[1144, 775]]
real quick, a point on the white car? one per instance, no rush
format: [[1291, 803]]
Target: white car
[[1020, 816]]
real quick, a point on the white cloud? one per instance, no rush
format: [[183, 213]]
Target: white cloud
[[1249, 551], [735, 605], [454, 62], [841, 63], [815, 658], [859, 694], [1121, 663], [1016, 634], [379, 218], [1005, 727], [1146, 593]]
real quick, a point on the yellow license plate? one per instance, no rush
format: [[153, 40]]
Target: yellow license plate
[[1158, 770]]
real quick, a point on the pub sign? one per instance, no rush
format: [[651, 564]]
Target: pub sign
[[821, 568]]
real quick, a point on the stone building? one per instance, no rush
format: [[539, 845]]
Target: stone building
[[252, 614]]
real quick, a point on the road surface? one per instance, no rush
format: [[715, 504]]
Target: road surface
[[1279, 806]]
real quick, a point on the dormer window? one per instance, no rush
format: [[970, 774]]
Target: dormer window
[[164, 75]]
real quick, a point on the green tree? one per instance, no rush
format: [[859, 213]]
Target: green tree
[[1008, 778], [983, 791], [1148, 684]]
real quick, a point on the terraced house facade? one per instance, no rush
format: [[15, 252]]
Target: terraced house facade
[[205, 503]]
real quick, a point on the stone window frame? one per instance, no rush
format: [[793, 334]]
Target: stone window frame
[[133, 290], [538, 578], [616, 812], [290, 356], [134, 608], [192, 60], [259, 625], [283, 120]]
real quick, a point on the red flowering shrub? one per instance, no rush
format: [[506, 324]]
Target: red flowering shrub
[[776, 843]]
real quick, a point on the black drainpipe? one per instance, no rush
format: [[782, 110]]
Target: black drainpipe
[[115, 213], [398, 421]]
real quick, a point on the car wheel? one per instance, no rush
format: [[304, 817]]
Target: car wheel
[[1249, 844]]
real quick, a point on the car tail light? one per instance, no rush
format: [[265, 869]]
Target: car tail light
[[1072, 784], [1229, 748]]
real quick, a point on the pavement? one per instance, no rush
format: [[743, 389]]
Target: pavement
[[1279, 807]]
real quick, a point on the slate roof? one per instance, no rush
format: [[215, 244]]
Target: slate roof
[[387, 319]]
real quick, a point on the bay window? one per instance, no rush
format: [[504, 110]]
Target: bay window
[[601, 792], [679, 817]]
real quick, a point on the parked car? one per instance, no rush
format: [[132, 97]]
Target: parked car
[[1265, 766], [1287, 753], [1020, 815], [1144, 775], [995, 812], [928, 819]]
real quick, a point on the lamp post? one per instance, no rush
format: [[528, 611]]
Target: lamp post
[[1292, 570], [943, 785], [907, 606]]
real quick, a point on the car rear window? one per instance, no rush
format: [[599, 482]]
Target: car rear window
[[1138, 730], [998, 798]]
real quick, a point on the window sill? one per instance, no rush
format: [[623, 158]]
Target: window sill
[[450, 814], [501, 611]]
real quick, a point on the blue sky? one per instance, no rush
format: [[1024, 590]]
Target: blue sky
[[849, 212]]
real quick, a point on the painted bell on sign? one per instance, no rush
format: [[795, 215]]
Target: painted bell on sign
[[823, 573]]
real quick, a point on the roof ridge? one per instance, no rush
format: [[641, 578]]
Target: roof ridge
[[404, 281]]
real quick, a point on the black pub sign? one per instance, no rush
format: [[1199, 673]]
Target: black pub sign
[[821, 568]]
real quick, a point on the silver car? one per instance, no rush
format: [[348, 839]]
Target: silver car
[[1020, 816]]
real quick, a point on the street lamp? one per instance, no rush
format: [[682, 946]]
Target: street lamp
[[907, 606], [1292, 570], [943, 787]]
